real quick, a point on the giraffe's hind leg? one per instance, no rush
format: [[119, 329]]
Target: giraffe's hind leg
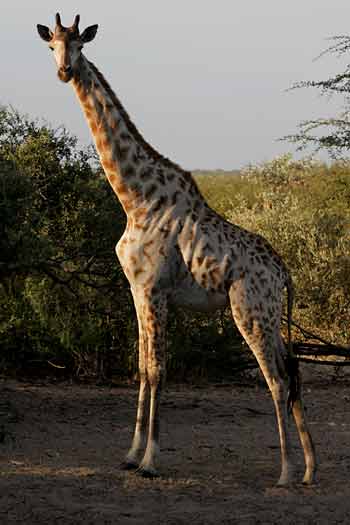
[[296, 405], [259, 331], [306, 441], [305, 437]]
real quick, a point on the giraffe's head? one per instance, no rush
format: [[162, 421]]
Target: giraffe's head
[[66, 44]]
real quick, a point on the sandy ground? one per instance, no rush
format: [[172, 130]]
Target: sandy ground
[[61, 445]]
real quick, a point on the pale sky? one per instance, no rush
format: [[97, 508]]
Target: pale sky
[[205, 82]]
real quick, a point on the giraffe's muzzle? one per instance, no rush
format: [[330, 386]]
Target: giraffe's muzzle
[[65, 73]]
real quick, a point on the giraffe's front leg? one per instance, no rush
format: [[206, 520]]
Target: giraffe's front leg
[[131, 461], [155, 315]]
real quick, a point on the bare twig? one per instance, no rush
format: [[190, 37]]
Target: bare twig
[[323, 362]]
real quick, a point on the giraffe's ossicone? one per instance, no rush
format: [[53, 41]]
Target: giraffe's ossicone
[[176, 249]]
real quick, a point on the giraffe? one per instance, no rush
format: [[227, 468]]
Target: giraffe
[[176, 250]]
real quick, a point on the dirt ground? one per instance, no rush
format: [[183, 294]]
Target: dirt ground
[[61, 445]]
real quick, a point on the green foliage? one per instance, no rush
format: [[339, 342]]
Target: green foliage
[[224, 189], [303, 209], [63, 295], [203, 347]]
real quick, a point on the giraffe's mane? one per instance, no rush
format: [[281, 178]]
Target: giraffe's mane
[[153, 153]]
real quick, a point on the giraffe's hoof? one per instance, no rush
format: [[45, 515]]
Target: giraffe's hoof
[[309, 482], [285, 482], [147, 473], [129, 465]]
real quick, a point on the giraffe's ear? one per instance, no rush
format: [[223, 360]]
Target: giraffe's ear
[[89, 34], [44, 32]]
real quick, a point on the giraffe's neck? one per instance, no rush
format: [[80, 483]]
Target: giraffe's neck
[[139, 175]]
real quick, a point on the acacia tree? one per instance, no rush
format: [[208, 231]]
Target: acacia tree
[[328, 134]]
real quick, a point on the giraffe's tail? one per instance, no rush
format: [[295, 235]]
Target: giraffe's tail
[[292, 363]]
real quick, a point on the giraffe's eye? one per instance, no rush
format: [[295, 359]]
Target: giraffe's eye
[[52, 48]]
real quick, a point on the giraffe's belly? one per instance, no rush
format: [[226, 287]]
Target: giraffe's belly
[[189, 294]]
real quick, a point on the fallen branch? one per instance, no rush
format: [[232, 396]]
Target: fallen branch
[[323, 362], [326, 349], [311, 352], [61, 367]]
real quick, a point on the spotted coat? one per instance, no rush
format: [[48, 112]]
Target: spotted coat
[[176, 249]]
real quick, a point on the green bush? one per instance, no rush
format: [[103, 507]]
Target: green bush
[[303, 210], [64, 297]]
